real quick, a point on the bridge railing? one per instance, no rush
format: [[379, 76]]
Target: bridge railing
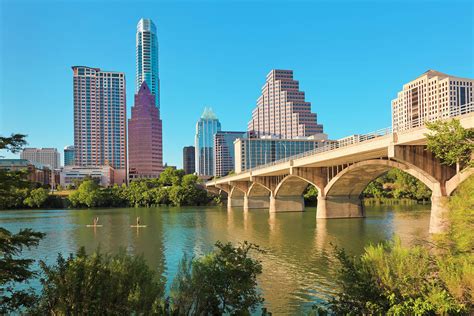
[[421, 121]]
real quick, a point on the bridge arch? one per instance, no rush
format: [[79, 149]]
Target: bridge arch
[[236, 193], [292, 185], [258, 189], [352, 181]]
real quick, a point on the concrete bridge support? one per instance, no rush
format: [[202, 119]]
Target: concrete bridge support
[[294, 203], [254, 202], [339, 207]]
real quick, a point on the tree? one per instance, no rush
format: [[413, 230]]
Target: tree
[[171, 176], [37, 197], [222, 282], [88, 194], [450, 142], [100, 284], [310, 195], [14, 270], [14, 143]]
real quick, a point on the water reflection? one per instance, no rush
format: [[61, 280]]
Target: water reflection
[[298, 265]]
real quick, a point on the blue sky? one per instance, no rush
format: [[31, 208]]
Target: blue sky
[[350, 57]]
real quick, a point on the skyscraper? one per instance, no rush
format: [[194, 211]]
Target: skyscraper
[[431, 96], [282, 110], [147, 58], [144, 136], [69, 155], [224, 152], [207, 126], [45, 156], [100, 135], [189, 157]]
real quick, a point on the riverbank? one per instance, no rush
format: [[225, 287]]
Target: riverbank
[[393, 201]]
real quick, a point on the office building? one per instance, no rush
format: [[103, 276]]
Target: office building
[[189, 158], [145, 157], [431, 96], [207, 126], [224, 152], [71, 175], [69, 155], [45, 156], [282, 110], [100, 135], [36, 172], [147, 58], [254, 152]]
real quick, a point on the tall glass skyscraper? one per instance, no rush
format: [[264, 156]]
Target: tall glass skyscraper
[[207, 126], [69, 155], [147, 58]]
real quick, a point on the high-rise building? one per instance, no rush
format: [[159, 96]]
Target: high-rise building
[[147, 58], [189, 157], [431, 96], [45, 156], [282, 110], [100, 134], [224, 152], [207, 126], [145, 158], [69, 155]]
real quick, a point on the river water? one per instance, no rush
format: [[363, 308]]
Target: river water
[[298, 265]]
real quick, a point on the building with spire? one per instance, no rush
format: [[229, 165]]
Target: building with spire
[[207, 126], [147, 58], [282, 110], [432, 96], [145, 157]]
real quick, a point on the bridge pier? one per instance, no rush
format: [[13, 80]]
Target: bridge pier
[[439, 221], [339, 207], [253, 202], [234, 202], [286, 204]]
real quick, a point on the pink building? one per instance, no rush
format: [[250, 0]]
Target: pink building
[[145, 136], [100, 133], [282, 110]]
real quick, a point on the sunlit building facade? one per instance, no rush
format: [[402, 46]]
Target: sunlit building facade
[[69, 155], [282, 110], [224, 154], [431, 96], [147, 58], [100, 134], [45, 156]]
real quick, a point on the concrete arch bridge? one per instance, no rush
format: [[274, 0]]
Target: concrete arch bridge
[[341, 174]]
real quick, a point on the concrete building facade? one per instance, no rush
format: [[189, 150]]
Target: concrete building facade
[[224, 154], [45, 156], [282, 110], [37, 172], [207, 126], [431, 96], [69, 155], [70, 175], [100, 134], [147, 58], [189, 160], [145, 157]]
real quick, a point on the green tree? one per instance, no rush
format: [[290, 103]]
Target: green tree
[[222, 282], [13, 143], [450, 142], [88, 194], [310, 195], [14, 270], [171, 176], [100, 284], [37, 197]]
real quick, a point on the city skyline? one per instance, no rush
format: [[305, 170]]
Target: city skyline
[[341, 90]]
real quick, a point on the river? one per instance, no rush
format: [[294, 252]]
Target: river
[[298, 264]]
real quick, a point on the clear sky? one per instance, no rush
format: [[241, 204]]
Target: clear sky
[[351, 58]]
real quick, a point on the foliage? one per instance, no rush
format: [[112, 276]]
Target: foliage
[[99, 284], [37, 197], [224, 281], [310, 195], [13, 143], [450, 142], [14, 270], [399, 185]]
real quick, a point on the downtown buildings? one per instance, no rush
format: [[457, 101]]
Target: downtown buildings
[[224, 154], [69, 153], [431, 96], [189, 160], [145, 125], [44, 156], [100, 135]]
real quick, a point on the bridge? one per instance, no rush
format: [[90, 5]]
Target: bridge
[[340, 173]]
